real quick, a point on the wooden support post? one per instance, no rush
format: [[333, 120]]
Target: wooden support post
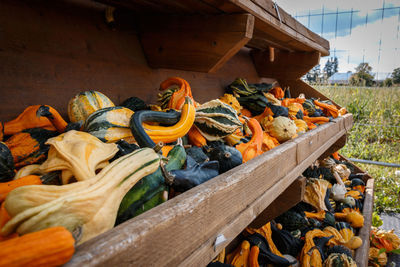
[[287, 65], [195, 43], [289, 198]]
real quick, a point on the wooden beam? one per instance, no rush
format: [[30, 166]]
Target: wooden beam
[[195, 43], [287, 65], [289, 198], [341, 142], [183, 230]]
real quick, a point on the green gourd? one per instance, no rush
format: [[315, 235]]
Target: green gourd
[[7, 170]]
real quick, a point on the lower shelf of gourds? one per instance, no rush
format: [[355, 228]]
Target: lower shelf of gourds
[[321, 230], [111, 163]]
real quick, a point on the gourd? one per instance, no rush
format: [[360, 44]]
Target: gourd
[[85, 103], [227, 157], [337, 237], [28, 147], [77, 154], [124, 148], [329, 109], [355, 194], [268, 142], [7, 170], [311, 254], [345, 230], [377, 256], [338, 260], [291, 220], [91, 204], [277, 92], [301, 126], [215, 120], [253, 148], [53, 116], [148, 136], [176, 91], [28, 170], [354, 243], [355, 219], [196, 138], [197, 154], [27, 120], [324, 216], [109, 124], [285, 242], [295, 111], [7, 187], [255, 103], [315, 192], [231, 101], [253, 257], [309, 107], [50, 247], [134, 104], [241, 256], [339, 249], [240, 87], [281, 128], [194, 174], [149, 187], [358, 184], [271, 98]]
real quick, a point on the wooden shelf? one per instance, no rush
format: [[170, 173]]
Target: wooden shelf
[[183, 230]]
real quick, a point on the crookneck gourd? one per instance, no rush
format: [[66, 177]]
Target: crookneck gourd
[[77, 154], [227, 157], [28, 147], [7, 170], [315, 193], [90, 204], [85, 103], [215, 120], [110, 124], [148, 135], [53, 116], [175, 91], [253, 148]]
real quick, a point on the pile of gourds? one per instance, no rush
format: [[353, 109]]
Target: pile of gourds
[[320, 230], [382, 244], [111, 163]]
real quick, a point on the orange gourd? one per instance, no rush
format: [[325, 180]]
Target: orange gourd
[[246, 112], [178, 97], [277, 92], [319, 120], [266, 113], [50, 247], [253, 257], [6, 187], [196, 138], [4, 216], [53, 116], [254, 147], [269, 142], [329, 110]]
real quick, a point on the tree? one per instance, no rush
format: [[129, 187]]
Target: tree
[[396, 76], [388, 82], [335, 65], [313, 75], [363, 75], [331, 67]]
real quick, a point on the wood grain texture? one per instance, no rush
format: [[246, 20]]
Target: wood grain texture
[[183, 230], [288, 65], [47, 61], [361, 254], [292, 195], [195, 43]]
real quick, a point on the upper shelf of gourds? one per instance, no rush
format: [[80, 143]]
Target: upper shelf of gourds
[[111, 163]]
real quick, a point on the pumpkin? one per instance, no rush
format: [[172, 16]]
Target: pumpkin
[[91, 204], [148, 136], [78, 153], [281, 128], [215, 120], [338, 259], [85, 103], [110, 124], [252, 148], [28, 147], [50, 247], [7, 171]]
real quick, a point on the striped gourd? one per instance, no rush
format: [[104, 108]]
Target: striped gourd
[[215, 120], [110, 124], [85, 103], [309, 106]]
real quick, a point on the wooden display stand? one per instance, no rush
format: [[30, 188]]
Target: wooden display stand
[[52, 51]]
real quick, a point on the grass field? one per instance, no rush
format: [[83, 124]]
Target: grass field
[[375, 136]]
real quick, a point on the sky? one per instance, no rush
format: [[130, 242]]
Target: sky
[[366, 35]]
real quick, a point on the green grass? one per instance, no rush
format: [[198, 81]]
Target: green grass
[[373, 137]]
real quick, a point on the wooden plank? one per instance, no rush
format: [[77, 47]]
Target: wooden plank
[[361, 254], [194, 43], [341, 142], [288, 65], [47, 61], [289, 198], [272, 25], [183, 229]]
